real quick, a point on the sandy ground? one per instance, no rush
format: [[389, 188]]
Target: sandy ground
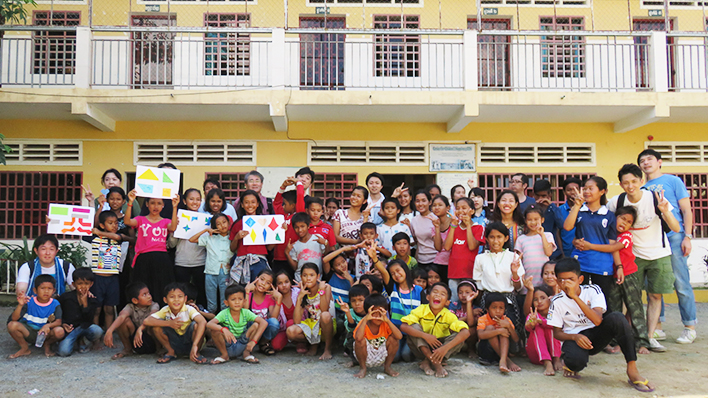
[[681, 371]]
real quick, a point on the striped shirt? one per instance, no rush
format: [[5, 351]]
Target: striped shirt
[[403, 303], [37, 314], [340, 289], [531, 247]]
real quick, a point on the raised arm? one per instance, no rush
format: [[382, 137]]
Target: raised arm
[[128, 219]]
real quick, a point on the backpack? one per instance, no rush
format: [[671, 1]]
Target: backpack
[[664, 226], [65, 265]]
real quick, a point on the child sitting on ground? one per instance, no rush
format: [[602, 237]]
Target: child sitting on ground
[[402, 246], [435, 333], [376, 337], [577, 316], [129, 323], [78, 311], [353, 312], [313, 313], [265, 301], [178, 327], [37, 315], [230, 331], [106, 264], [308, 248], [494, 331], [464, 311], [541, 347], [373, 283]]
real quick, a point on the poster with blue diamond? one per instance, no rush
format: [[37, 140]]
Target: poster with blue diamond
[[191, 223], [264, 230]]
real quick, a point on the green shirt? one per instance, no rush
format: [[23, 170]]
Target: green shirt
[[236, 328]]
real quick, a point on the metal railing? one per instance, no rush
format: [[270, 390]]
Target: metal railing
[[347, 59], [570, 61], [687, 59], [10, 268], [216, 59], [316, 61]]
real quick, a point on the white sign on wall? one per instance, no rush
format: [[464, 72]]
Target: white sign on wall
[[452, 157]]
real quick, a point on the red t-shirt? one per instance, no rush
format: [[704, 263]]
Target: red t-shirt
[[290, 235], [245, 249], [461, 262], [324, 230], [626, 255]]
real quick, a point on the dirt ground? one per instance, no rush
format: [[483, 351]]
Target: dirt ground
[[681, 371]]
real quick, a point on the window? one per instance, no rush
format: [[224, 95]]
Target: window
[[562, 55], [334, 185], [492, 184], [551, 154], [697, 185], [397, 55], [55, 51], [25, 199], [385, 154], [680, 153], [63, 153], [227, 54], [231, 183], [195, 153]]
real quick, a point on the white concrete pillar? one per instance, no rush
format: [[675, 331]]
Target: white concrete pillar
[[658, 62], [83, 72], [469, 49], [276, 59]]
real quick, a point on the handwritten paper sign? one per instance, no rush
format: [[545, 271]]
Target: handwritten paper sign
[[264, 230], [191, 223], [70, 220], [151, 182]]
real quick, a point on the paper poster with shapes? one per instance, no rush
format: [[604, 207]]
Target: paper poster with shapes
[[151, 182], [264, 230], [70, 220], [191, 223]]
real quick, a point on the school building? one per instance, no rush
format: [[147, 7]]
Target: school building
[[418, 90]]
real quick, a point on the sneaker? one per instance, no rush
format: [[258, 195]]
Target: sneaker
[[687, 336], [655, 346], [659, 335]]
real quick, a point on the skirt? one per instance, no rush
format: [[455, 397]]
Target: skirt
[[156, 271]]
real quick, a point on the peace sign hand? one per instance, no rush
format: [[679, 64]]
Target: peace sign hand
[[398, 191], [342, 305]]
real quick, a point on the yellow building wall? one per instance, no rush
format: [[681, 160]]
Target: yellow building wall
[[278, 149], [446, 14]]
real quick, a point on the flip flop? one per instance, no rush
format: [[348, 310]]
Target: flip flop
[[166, 359], [267, 349], [574, 375], [251, 360], [218, 361], [641, 386], [201, 360]]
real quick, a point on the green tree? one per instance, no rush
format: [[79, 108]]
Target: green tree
[[14, 11], [3, 150]]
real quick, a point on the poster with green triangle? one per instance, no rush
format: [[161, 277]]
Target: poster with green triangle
[[151, 182]]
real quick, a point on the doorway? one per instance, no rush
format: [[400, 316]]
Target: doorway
[[414, 182]]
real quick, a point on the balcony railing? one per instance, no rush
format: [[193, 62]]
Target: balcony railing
[[319, 59]]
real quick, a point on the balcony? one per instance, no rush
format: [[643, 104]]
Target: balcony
[[450, 65]]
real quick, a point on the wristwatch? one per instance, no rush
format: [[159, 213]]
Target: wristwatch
[[689, 236]]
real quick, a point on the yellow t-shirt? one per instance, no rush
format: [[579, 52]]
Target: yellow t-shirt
[[438, 325], [186, 315]]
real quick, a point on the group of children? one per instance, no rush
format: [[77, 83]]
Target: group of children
[[387, 280]]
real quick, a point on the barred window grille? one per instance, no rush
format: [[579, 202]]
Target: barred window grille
[[397, 55], [562, 55], [55, 51], [227, 54]]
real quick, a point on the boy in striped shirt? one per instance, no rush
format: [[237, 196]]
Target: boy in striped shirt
[[105, 264]]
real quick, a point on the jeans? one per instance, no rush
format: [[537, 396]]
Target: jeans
[[66, 346], [404, 351], [682, 283], [212, 283], [271, 330]]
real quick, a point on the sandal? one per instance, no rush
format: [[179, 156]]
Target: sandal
[[251, 360], [218, 361], [166, 359], [267, 349], [201, 360], [641, 386], [571, 374]]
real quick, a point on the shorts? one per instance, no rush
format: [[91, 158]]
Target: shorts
[[658, 273], [311, 330], [375, 354], [149, 346], [32, 337], [181, 344], [238, 347], [106, 288]]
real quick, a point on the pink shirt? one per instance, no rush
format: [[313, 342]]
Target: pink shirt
[[261, 309], [424, 233], [443, 256], [533, 255], [151, 237]]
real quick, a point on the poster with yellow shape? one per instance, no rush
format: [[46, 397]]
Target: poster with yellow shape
[[151, 182]]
